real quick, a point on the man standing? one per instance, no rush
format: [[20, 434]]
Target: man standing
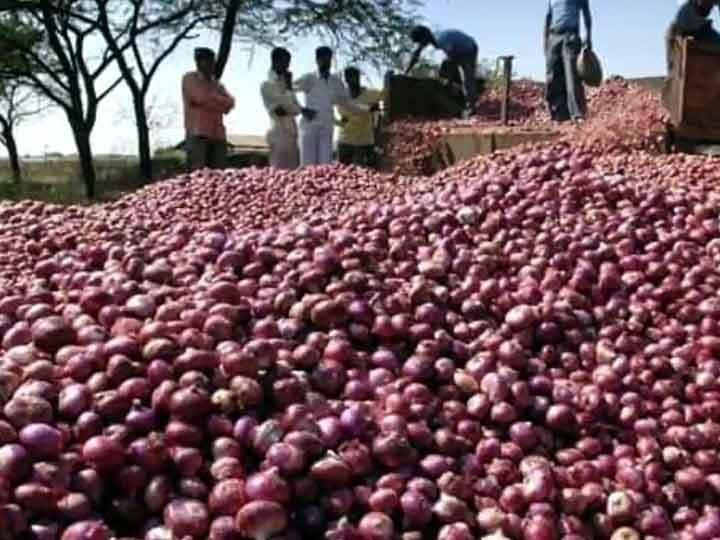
[[459, 48], [450, 76], [205, 101], [692, 20], [564, 91], [282, 106], [356, 143], [322, 90]]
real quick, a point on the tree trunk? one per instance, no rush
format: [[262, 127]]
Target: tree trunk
[[13, 155], [85, 156], [145, 165], [227, 34]]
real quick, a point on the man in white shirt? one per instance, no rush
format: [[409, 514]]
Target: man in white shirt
[[323, 90], [282, 107]]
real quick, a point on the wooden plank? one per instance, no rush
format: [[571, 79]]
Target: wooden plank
[[692, 94], [697, 133], [411, 97]]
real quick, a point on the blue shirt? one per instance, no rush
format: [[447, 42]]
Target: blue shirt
[[688, 20], [456, 43], [565, 15]]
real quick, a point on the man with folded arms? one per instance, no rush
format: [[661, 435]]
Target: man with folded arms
[[205, 102]]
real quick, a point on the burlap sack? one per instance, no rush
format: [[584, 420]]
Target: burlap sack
[[589, 68]]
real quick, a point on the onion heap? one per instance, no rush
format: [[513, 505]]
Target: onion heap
[[524, 347], [622, 117]]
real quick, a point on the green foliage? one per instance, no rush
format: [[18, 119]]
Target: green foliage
[[369, 32], [16, 38], [70, 192]]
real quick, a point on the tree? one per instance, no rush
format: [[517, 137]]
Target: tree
[[17, 103], [139, 35], [61, 68], [142, 34], [372, 31], [15, 96]]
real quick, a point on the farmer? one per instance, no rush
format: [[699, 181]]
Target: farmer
[[356, 143], [564, 91], [450, 76], [692, 20], [322, 90], [283, 107], [205, 101], [459, 48]]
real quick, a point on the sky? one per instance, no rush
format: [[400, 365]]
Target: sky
[[627, 35]]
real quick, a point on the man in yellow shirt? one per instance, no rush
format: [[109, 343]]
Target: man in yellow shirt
[[356, 143]]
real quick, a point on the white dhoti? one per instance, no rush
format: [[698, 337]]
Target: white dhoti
[[316, 140], [284, 152]]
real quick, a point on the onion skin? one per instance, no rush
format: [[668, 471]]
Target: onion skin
[[90, 530], [261, 519]]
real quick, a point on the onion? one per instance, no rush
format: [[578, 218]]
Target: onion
[[416, 509], [227, 497], [15, 462], [42, 441], [260, 520], [376, 526], [456, 531], [620, 507], [186, 517], [86, 530], [267, 486], [331, 470], [103, 453]]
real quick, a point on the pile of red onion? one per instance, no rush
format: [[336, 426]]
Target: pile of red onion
[[413, 146], [524, 347]]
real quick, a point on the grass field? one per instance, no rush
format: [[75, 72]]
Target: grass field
[[59, 180]]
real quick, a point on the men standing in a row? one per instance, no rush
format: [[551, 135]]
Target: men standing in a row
[[205, 102], [323, 90], [564, 91]]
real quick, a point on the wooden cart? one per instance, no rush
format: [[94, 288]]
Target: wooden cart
[[692, 97], [421, 99]]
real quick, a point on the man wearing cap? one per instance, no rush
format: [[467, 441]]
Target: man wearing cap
[[459, 48], [692, 20], [205, 102], [322, 90], [564, 91]]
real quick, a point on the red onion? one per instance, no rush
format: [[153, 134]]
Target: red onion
[[42, 441], [103, 453], [186, 517], [227, 497], [456, 531], [86, 530], [260, 520], [376, 526], [267, 486]]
